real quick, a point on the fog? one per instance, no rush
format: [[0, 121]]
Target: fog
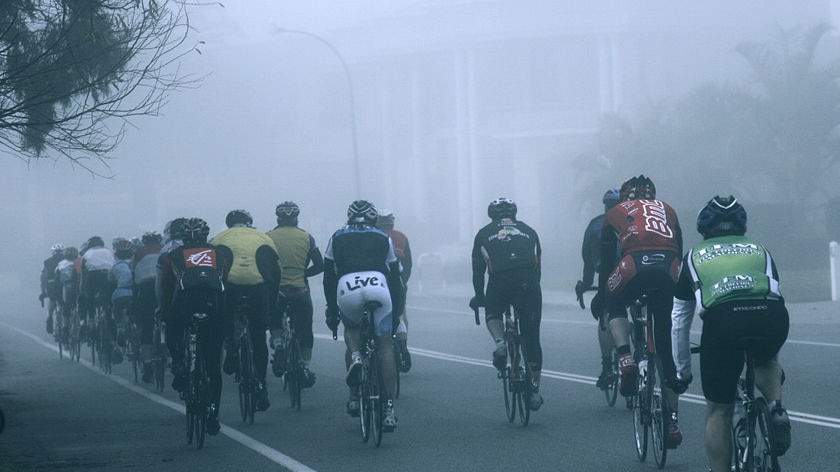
[[453, 103]]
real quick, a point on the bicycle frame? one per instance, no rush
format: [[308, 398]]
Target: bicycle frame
[[293, 377]]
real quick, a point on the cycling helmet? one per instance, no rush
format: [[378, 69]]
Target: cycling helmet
[[638, 187], [123, 248], [238, 218], [362, 211], [151, 237], [57, 248], [611, 198], [173, 229], [195, 230], [95, 241], [287, 210], [385, 220], [722, 216], [501, 208], [71, 253]]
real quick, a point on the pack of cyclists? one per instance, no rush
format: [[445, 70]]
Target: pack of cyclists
[[635, 247]]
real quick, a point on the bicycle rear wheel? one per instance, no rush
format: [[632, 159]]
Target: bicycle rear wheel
[[510, 405], [658, 411], [294, 373], [611, 393], [247, 380], [763, 456], [365, 407], [641, 422], [377, 407]]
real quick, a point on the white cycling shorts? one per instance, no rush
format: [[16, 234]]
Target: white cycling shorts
[[355, 289]]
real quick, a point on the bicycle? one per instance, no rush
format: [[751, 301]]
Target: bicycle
[[104, 338], [246, 374], [753, 435], [649, 410], [197, 392], [293, 378], [132, 348], [159, 353], [611, 390], [372, 385], [516, 376]]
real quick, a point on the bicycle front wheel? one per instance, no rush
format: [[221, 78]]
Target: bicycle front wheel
[[762, 457], [659, 414], [510, 405]]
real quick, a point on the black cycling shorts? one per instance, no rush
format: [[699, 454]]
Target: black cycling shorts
[[721, 360]]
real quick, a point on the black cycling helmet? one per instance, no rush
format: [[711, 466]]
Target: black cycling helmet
[[195, 230], [151, 237], [611, 198], [95, 241], [238, 218], [501, 208], [722, 216], [385, 220], [173, 229], [287, 210], [638, 187], [362, 211]]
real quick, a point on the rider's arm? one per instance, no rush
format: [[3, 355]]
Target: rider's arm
[[330, 283], [682, 315], [406, 261], [609, 242], [316, 260], [479, 266]]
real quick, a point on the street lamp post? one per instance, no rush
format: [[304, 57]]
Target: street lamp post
[[356, 163]]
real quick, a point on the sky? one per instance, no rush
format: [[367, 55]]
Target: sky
[[229, 143]]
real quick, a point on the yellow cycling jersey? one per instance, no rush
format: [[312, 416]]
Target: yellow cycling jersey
[[243, 242], [293, 245]]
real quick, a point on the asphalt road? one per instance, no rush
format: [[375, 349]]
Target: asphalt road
[[66, 416]]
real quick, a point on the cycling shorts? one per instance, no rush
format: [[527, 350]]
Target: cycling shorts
[[355, 289], [721, 360]]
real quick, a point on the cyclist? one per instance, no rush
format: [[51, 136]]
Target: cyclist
[[254, 274], [121, 277], [360, 265], [144, 269], [731, 281], [591, 253], [172, 233], [67, 281], [650, 240], [193, 277], [96, 262], [49, 284], [300, 259], [385, 222], [509, 251]]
